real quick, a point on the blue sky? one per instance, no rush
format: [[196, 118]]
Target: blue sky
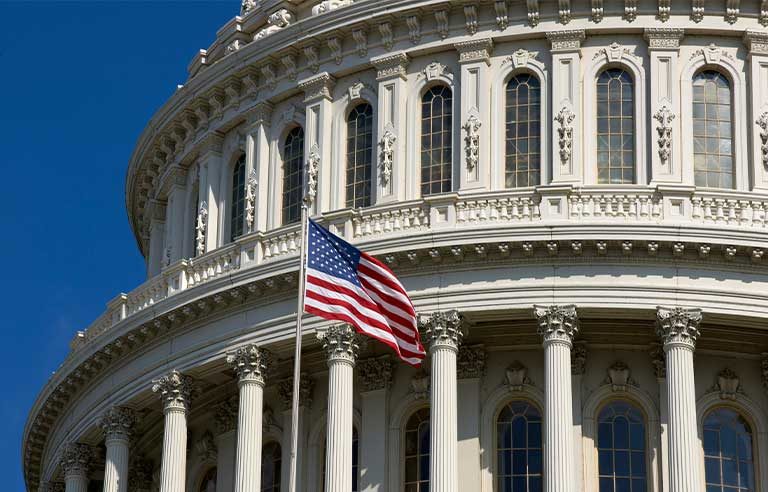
[[79, 80]]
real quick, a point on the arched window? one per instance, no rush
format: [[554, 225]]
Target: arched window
[[237, 216], [355, 462], [615, 127], [208, 483], [728, 457], [271, 455], [417, 452], [359, 155], [436, 143], [518, 448], [712, 130], [293, 175], [621, 448], [523, 142]]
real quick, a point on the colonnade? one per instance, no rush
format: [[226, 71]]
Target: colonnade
[[443, 332]]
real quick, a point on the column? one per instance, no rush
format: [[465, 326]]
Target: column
[[257, 164], [757, 43], [566, 107], [175, 390], [474, 113], [285, 390], [678, 329], [117, 426], [444, 332], [76, 462], [391, 126], [341, 346], [470, 368], [557, 326], [226, 442], [578, 367], [666, 158], [250, 364], [317, 139], [376, 378]]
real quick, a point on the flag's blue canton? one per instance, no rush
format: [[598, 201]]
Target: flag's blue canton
[[332, 255]]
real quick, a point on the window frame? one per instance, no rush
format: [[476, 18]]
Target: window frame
[[649, 475], [343, 151], [455, 153], [230, 197], [282, 166], [504, 123], [261, 458], [520, 397]]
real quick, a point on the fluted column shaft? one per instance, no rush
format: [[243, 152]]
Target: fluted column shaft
[[340, 344], [116, 465], [250, 363], [678, 329], [175, 390], [557, 326], [444, 332], [76, 482]]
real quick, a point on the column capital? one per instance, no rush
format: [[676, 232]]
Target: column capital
[[566, 40], [390, 66], [557, 323], [259, 114], [443, 329], [285, 390], [317, 87], [251, 363], [226, 414], [340, 342], [663, 38], [76, 459], [175, 390], [375, 374], [470, 363], [118, 423], [677, 325], [756, 41], [475, 50]]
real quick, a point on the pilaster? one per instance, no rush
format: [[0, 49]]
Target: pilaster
[[578, 368], [474, 113], [285, 390], [175, 217], [470, 369], [317, 139], [678, 329], [757, 43], [666, 157], [566, 106], [391, 126], [375, 376], [557, 326], [210, 192], [175, 390], [117, 425], [76, 462], [226, 441], [257, 167], [156, 257]]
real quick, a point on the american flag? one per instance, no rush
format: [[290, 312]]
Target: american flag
[[345, 284]]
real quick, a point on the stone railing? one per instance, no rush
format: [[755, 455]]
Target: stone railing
[[621, 206]]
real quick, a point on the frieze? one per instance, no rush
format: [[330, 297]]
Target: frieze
[[475, 50], [566, 40], [391, 66]]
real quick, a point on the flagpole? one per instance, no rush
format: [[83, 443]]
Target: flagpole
[[297, 352]]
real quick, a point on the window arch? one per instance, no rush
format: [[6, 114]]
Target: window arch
[[293, 175], [522, 151], [518, 448], [237, 213], [621, 448], [208, 482], [359, 156], [417, 435], [615, 127], [271, 456], [713, 156], [728, 451], [436, 140]]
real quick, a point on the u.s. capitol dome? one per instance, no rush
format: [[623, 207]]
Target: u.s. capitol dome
[[575, 195]]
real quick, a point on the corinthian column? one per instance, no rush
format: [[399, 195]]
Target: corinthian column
[[341, 346], [444, 331], [557, 326], [250, 363], [175, 390], [117, 426], [679, 329], [76, 461]]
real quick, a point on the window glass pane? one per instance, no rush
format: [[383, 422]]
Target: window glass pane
[[712, 130], [615, 127], [522, 154], [270, 467], [727, 443], [436, 128], [293, 175], [518, 440], [621, 448], [359, 156], [417, 452], [237, 216]]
